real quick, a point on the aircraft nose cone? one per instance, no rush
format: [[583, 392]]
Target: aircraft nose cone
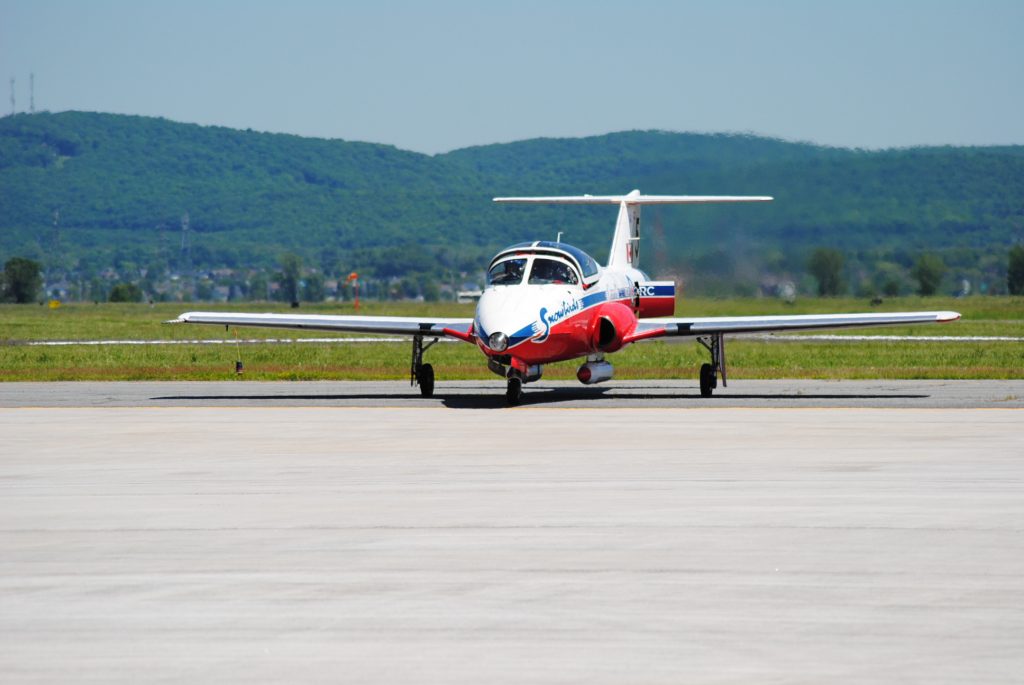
[[503, 310]]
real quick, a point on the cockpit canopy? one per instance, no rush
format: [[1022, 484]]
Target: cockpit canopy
[[543, 263]]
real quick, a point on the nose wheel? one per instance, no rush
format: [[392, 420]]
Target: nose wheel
[[514, 393]]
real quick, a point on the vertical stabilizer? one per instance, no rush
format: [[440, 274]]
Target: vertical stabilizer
[[625, 251]]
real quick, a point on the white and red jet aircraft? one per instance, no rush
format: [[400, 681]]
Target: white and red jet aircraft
[[548, 302]]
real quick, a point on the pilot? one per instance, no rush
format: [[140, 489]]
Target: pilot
[[513, 271], [541, 272], [549, 271]]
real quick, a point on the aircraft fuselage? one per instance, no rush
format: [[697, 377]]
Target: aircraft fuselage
[[527, 320]]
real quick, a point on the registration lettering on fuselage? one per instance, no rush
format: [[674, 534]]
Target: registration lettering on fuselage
[[646, 291]]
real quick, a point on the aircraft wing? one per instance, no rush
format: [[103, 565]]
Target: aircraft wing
[[714, 325], [390, 325]]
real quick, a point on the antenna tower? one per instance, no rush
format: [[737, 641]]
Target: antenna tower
[[55, 238], [161, 243], [32, 93], [54, 262], [186, 243], [12, 96]]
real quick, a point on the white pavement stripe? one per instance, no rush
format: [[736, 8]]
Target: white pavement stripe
[[345, 341], [889, 338], [252, 341]]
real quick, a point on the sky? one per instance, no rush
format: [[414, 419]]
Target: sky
[[440, 75]]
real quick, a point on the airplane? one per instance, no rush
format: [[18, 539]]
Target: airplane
[[548, 301]]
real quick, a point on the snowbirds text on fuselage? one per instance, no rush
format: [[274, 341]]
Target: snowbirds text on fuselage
[[549, 302]]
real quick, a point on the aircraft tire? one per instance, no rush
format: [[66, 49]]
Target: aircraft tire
[[425, 376], [514, 394], [707, 380]]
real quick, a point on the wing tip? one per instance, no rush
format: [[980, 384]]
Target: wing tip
[[947, 317], [184, 317]]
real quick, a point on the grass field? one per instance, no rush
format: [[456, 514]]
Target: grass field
[[982, 316]]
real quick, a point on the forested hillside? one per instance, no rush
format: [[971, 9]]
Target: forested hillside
[[121, 185]]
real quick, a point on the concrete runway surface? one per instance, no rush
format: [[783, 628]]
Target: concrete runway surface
[[491, 394], [420, 544]]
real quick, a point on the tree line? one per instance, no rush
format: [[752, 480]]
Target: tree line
[[22, 279], [826, 265]]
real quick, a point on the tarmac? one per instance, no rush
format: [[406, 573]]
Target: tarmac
[[681, 394], [248, 532]]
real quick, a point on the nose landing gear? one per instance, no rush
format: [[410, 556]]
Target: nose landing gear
[[514, 392], [715, 344], [519, 372]]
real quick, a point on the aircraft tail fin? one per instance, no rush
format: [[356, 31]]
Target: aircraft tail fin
[[625, 250]]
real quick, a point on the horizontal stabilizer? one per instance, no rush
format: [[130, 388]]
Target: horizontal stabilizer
[[625, 243], [634, 199]]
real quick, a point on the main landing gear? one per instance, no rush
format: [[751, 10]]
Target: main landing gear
[[420, 373], [715, 344]]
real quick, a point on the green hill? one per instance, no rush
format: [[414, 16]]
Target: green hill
[[122, 183]]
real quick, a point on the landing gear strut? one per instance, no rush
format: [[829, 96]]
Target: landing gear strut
[[715, 344], [420, 373]]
